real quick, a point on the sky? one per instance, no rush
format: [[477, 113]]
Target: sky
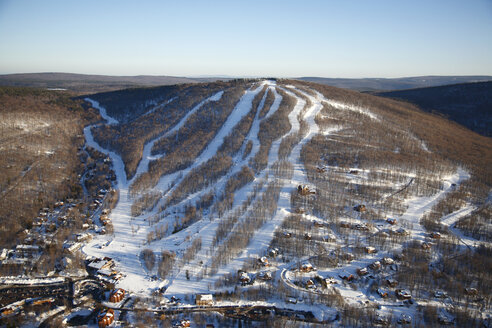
[[282, 38]]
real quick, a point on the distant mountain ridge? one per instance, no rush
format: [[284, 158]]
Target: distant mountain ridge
[[85, 83], [93, 83], [386, 84]]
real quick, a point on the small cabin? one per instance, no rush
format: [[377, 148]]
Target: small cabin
[[362, 271], [388, 261], [403, 294], [376, 265], [265, 275], [435, 235], [371, 250], [391, 221], [360, 208], [244, 278], [382, 292], [346, 276], [426, 246], [304, 190], [264, 261], [392, 282]]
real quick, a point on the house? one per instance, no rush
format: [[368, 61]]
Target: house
[[347, 257], [204, 300], [345, 224], [307, 236], [105, 318], [375, 265], [382, 292], [307, 267], [328, 281], [360, 208], [381, 320], [310, 284], [362, 271], [3, 254], [391, 221], [98, 264], [401, 232], [287, 234], [330, 238], [265, 275], [404, 319], [72, 247], [403, 294], [388, 261], [318, 224], [83, 236], [346, 276], [244, 278], [370, 250], [26, 250], [304, 190], [300, 210], [471, 291], [320, 169], [273, 252], [362, 226], [425, 245], [184, 323], [117, 295], [264, 261], [435, 235], [392, 282]]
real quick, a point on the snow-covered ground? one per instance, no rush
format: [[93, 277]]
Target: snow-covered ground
[[130, 233]]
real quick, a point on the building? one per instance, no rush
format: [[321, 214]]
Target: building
[[346, 276], [117, 295], [264, 261], [26, 250], [307, 267], [391, 221], [360, 208], [105, 318], [204, 300]]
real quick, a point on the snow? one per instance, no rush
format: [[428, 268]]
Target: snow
[[30, 281], [350, 107], [102, 111], [418, 206]]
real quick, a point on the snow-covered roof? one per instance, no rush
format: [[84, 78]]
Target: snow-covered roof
[[204, 297]]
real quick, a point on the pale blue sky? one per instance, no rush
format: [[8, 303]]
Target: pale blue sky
[[247, 38]]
